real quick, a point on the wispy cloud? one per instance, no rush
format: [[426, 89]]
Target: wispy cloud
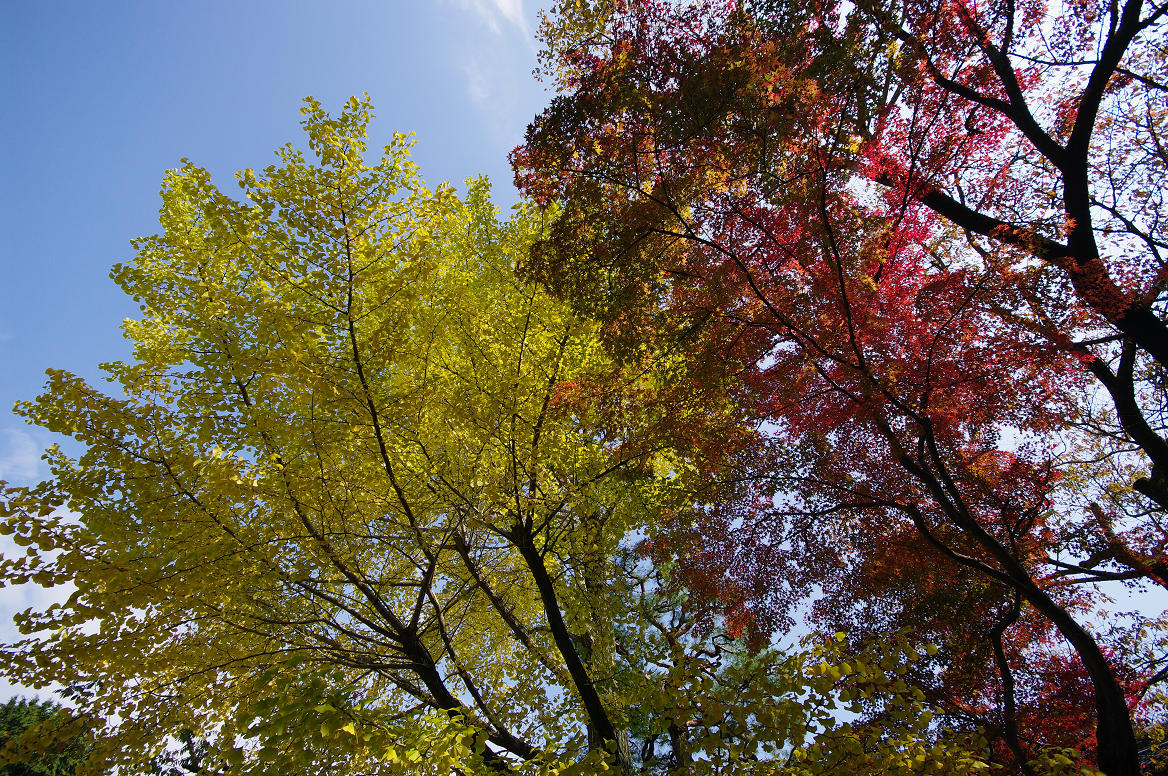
[[477, 83], [512, 11], [495, 51], [497, 13], [20, 456]]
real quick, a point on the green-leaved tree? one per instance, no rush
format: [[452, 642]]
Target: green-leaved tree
[[39, 738]]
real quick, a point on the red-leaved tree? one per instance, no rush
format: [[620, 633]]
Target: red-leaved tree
[[909, 238]]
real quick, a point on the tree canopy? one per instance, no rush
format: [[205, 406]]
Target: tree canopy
[[846, 311], [365, 501]]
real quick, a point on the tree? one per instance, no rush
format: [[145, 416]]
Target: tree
[[22, 722], [369, 503], [1041, 138], [797, 196]]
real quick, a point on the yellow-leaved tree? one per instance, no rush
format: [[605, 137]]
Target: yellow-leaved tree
[[341, 517]]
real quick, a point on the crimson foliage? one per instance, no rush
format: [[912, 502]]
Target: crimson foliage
[[912, 239]]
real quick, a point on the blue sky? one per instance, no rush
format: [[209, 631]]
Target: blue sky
[[99, 98]]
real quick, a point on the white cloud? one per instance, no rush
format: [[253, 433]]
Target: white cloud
[[477, 85], [21, 456], [512, 11], [495, 13], [495, 52], [15, 599]]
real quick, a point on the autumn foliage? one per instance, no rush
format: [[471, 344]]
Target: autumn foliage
[[848, 315], [912, 239], [365, 501]]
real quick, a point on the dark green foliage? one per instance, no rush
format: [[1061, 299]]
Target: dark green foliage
[[20, 716]]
